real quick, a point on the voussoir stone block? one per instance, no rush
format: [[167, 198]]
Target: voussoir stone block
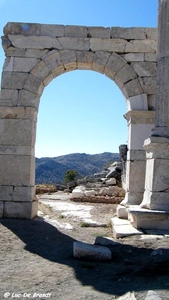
[[33, 84], [84, 60], [114, 64], [99, 61], [68, 58], [91, 252], [22, 210], [41, 71], [132, 88], [125, 74]]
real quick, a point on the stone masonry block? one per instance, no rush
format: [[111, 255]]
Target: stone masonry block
[[75, 31], [134, 57], [111, 45], [17, 193], [18, 150], [28, 99], [17, 132], [52, 30], [156, 201], [135, 175], [136, 155], [128, 33], [36, 53], [144, 68], [138, 46], [24, 64], [20, 210], [84, 59], [15, 52], [23, 193], [157, 176], [5, 193], [17, 170], [148, 84], [13, 80], [100, 60], [74, 43], [9, 97], [150, 57], [22, 28], [157, 147], [18, 113], [34, 42], [98, 32], [149, 219], [151, 33], [132, 198]]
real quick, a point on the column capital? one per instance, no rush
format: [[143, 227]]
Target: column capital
[[140, 117]]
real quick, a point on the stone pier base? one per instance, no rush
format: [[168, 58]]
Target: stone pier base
[[18, 210]]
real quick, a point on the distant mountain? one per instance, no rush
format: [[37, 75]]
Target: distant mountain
[[52, 170]]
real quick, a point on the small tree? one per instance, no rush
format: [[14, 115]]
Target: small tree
[[70, 176]]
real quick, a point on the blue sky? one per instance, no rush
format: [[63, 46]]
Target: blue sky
[[80, 111]]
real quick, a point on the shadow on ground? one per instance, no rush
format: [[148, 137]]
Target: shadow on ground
[[131, 269]]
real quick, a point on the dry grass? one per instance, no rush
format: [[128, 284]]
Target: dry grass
[[45, 188]]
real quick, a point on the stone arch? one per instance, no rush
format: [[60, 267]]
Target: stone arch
[[35, 55]]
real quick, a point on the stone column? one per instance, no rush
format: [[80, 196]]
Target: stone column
[[140, 123], [162, 84], [156, 195]]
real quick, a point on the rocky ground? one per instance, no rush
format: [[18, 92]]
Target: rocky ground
[[37, 256]]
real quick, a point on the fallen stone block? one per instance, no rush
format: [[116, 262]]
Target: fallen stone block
[[152, 295], [91, 252]]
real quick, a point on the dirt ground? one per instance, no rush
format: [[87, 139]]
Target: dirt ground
[[36, 256]]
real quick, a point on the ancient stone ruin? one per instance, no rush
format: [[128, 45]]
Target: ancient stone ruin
[[38, 53]]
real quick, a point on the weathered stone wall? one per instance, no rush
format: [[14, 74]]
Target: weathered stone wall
[[35, 55]]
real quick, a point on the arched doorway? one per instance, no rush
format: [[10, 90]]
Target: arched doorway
[[33, 59]]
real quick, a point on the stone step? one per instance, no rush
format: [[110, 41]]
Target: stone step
[[122, 228], [142, 218]]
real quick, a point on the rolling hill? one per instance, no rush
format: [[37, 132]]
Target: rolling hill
[[53, 169]]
